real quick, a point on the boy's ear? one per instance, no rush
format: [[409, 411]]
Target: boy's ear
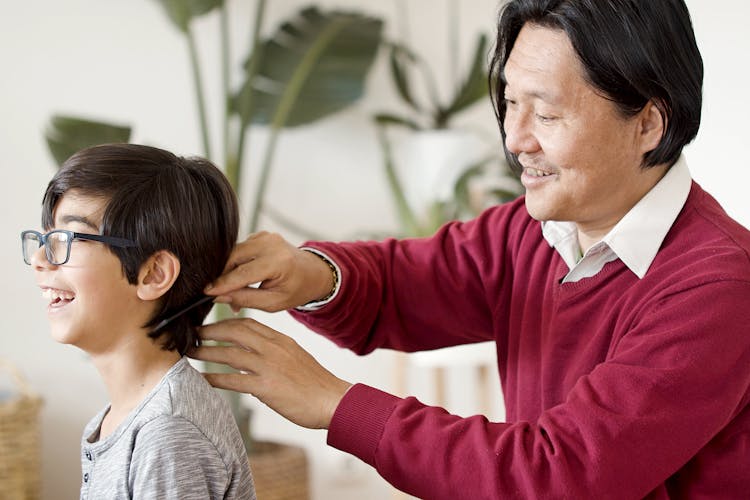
[[157, 275]]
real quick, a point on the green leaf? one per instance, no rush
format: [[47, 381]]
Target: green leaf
[[313, 66], [400, 59], [243, 103], [66, 134], [461, 188], [475, 85], [181, 12], [390, 119]]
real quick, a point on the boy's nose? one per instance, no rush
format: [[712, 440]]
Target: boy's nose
[[38, 259]]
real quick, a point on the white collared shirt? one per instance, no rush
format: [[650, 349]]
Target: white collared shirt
[[634, 240]]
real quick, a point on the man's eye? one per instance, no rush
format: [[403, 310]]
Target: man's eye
[[545, 118]]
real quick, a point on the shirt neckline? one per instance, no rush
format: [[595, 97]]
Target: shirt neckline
[[101, 445], [636, 238]]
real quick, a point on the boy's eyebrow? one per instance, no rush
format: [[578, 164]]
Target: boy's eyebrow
[[67, 219]]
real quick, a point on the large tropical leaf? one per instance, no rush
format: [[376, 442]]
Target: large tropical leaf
[[182, 11], [400, 59], [66, 134], [313, 66], [476, 85], [386, 119]]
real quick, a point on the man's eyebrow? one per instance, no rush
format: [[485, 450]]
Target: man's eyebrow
[[67, 219], [542, 95], [536, 94]]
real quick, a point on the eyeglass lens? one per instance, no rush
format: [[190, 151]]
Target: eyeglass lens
[[56, 246]]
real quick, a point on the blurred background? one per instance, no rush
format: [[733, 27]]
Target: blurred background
[[127, 63]]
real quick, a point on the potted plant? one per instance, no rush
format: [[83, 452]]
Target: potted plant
[[431, 170]]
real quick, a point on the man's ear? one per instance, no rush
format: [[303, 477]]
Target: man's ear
[[652, 126], [157, 275]]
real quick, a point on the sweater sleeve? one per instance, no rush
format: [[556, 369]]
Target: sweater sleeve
[[673, 382], [420, 294]]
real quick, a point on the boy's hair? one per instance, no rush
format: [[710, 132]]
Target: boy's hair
[[162, 202]]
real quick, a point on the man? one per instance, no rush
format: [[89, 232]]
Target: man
[[617, 291]]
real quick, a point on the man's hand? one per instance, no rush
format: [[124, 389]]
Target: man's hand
[[288, 277], [276, 370]]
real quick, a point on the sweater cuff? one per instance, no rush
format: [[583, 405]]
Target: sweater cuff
[[359, 421]]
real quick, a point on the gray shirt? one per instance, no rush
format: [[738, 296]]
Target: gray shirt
[[181, 442]]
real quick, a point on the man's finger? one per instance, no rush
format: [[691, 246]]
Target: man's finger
[[238, 382], [257, 298], [234, 330], [237, 278], [245, 332], [235, 357], [251, 249], [245, 251]]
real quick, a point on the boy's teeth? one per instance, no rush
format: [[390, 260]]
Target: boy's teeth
[[54, 295]]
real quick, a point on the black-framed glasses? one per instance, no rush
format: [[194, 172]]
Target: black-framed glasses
[[57, 242]]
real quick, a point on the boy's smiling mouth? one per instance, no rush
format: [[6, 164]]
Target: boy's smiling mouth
[[56, 297]]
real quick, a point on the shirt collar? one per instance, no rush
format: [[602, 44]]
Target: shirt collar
[[637, 237]]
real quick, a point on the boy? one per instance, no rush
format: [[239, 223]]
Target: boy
[[134, 233]]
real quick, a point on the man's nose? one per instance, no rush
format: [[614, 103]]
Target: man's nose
[[519, 136]]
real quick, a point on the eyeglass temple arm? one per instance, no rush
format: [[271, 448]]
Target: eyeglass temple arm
[[110, 240]]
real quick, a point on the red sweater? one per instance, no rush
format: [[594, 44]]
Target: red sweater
[[615, 387]]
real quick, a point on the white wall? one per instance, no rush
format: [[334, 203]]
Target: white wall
[[120, 60]]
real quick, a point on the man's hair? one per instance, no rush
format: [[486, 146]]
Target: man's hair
[[162, 202], [632, 51]]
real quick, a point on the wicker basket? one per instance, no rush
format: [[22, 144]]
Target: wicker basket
[[279, 471], [20, 472]]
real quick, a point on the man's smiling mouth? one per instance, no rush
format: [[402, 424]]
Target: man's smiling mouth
[[534, 172]]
